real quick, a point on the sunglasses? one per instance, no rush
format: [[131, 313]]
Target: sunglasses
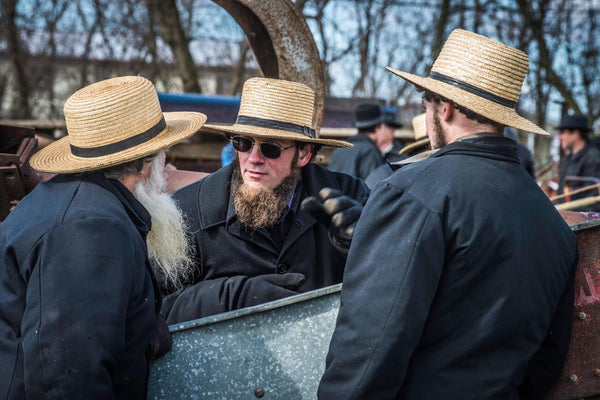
[[269, 150]]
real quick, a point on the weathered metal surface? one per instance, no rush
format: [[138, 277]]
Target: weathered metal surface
[[282, 43], [581, 375], [274, 351]]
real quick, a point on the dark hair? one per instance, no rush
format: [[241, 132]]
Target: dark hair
[[315, 150], [436, 98], [367, 129]]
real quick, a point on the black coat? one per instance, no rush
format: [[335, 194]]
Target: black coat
[[229, 256], [77, 296], [586, 163], [458, 285], [358, 160]]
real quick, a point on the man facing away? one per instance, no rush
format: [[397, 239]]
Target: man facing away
[[420, 144], [78, 297], [253, 241], [581, 158], [373, 139], [459, 280]]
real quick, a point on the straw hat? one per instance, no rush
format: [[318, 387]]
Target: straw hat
[[421, 139], [480, 74], [112, 122], [275, 109]]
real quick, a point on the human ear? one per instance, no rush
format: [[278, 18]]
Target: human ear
[[304, 155]]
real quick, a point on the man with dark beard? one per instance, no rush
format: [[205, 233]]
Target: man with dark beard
[[253, 241], [78, 298], [459, 280]]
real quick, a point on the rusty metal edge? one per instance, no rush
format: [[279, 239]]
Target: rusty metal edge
[[585, 225]]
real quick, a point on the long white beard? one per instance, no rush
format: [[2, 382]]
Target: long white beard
[[168, 244]]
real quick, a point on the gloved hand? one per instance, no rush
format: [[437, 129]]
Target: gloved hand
[[290, 280], [338, 212], [263, 288]]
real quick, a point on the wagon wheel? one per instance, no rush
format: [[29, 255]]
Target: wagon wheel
[[282, 43]]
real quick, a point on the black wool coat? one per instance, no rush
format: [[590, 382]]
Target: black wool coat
[[458, 284], [229, 257], [358, 160], [77, 295]]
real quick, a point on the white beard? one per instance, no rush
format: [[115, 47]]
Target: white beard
[[168, 244]]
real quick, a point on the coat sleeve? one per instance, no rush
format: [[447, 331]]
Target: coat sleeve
[[74, 323], [214, 296], [391, 277], [546, 365]]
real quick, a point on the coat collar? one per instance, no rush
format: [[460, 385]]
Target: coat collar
[[479, 144], [135, 210]]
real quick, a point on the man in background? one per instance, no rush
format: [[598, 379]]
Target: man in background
[[581, 158], [373, 139]]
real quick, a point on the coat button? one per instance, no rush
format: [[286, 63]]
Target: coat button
[[282, 269]]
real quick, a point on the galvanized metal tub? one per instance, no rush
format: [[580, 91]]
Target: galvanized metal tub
[[273, 351]]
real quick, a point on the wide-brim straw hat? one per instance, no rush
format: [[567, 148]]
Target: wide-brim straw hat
[[480, 74], [112, 122], [275, 109], [420, 131]]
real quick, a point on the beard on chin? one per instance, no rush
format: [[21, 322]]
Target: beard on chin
[[437, 140], [261, 208], [169, 246]]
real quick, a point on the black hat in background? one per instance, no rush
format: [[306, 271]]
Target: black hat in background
[[368, 115], [574, 121], [390, 118]]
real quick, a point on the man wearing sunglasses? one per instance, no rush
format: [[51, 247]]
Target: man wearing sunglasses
[[254, 242]]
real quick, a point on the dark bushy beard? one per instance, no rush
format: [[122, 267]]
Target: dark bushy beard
[[438, 140], [261, 208], [169, 247]]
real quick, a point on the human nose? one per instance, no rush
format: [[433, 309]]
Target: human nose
[[255, 154]]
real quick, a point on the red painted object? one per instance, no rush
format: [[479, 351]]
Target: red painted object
[[580, 378]]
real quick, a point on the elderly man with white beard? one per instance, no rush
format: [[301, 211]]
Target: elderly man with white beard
[[79, 300]]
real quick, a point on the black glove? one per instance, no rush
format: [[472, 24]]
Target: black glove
[[338, 212], [290, 280], [269, 287]]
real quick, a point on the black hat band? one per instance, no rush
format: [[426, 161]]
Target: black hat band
[[473, 89], [279, 125], [89, 152]]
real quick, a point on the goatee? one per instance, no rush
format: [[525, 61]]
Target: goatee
[[261, 208]]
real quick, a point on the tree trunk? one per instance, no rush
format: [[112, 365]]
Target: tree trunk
[[166, 14], [545, 61], [18, 58], [440, 29]]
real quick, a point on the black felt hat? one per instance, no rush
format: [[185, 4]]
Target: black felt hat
[[368, 115], [389, 118], [574, 121]]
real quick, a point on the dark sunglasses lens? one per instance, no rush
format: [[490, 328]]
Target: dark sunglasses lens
[[241, 144], [270, 150]]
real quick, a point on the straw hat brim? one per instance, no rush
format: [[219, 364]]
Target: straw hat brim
[[414, 145], [487, 108], [268, 133], [57, 157]]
